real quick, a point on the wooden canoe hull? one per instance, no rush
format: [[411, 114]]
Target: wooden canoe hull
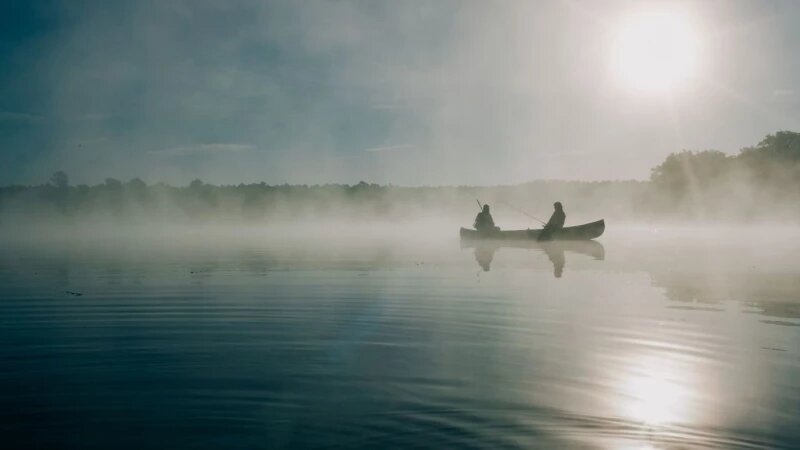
[[583, 232]]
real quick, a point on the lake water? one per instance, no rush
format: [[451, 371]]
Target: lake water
[[653, 338]]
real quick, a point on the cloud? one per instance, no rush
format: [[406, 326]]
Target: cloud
[[89, 141], [94, 116], [487, 91], [18, 117], [784, 94], [391, 148], [205, 149], [388, 106]]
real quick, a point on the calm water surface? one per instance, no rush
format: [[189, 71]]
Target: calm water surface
[[650, 339]]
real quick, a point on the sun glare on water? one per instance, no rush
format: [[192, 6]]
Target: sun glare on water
[[657, 391], [655, 52]]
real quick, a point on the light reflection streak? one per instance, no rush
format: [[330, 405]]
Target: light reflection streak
[[656, 391]]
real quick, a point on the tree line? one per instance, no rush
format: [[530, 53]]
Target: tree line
[[762, 181]]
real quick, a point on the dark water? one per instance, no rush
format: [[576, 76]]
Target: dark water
[[654, 339]]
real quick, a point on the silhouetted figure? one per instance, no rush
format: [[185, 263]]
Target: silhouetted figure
[[484, 222], [555, 223]]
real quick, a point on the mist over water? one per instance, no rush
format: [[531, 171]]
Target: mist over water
[[236, 224], [400, 337]]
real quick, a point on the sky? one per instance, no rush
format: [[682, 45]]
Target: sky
[[406, 93]]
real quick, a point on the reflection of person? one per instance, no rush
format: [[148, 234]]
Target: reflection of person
[[555, 253], [484, 254], [484, 222], [556, 222]]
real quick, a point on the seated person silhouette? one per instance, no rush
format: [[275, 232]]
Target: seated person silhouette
[[484, 222], [555, 223]]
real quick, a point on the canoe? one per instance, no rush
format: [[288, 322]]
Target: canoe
[[577, 233]]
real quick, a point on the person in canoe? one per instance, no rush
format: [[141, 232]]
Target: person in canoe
[[484, 222], [555, 223]]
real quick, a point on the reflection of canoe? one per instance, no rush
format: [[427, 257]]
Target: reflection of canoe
[[577, 233], [590, 248]]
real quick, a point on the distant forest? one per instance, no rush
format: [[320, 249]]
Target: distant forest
[[761, 183]]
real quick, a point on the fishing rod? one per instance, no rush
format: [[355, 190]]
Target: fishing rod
[[523, 212], [515, 209]]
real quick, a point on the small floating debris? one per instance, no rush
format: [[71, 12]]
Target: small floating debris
[[75, 294], [774, 349], [785, 323]]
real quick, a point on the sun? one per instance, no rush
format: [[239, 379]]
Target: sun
[[655, 52]]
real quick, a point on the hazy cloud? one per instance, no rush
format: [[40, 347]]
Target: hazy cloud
[[786, 95], [204, 149], [390, 148], [94, 116], [19, 117], [488, 89]]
